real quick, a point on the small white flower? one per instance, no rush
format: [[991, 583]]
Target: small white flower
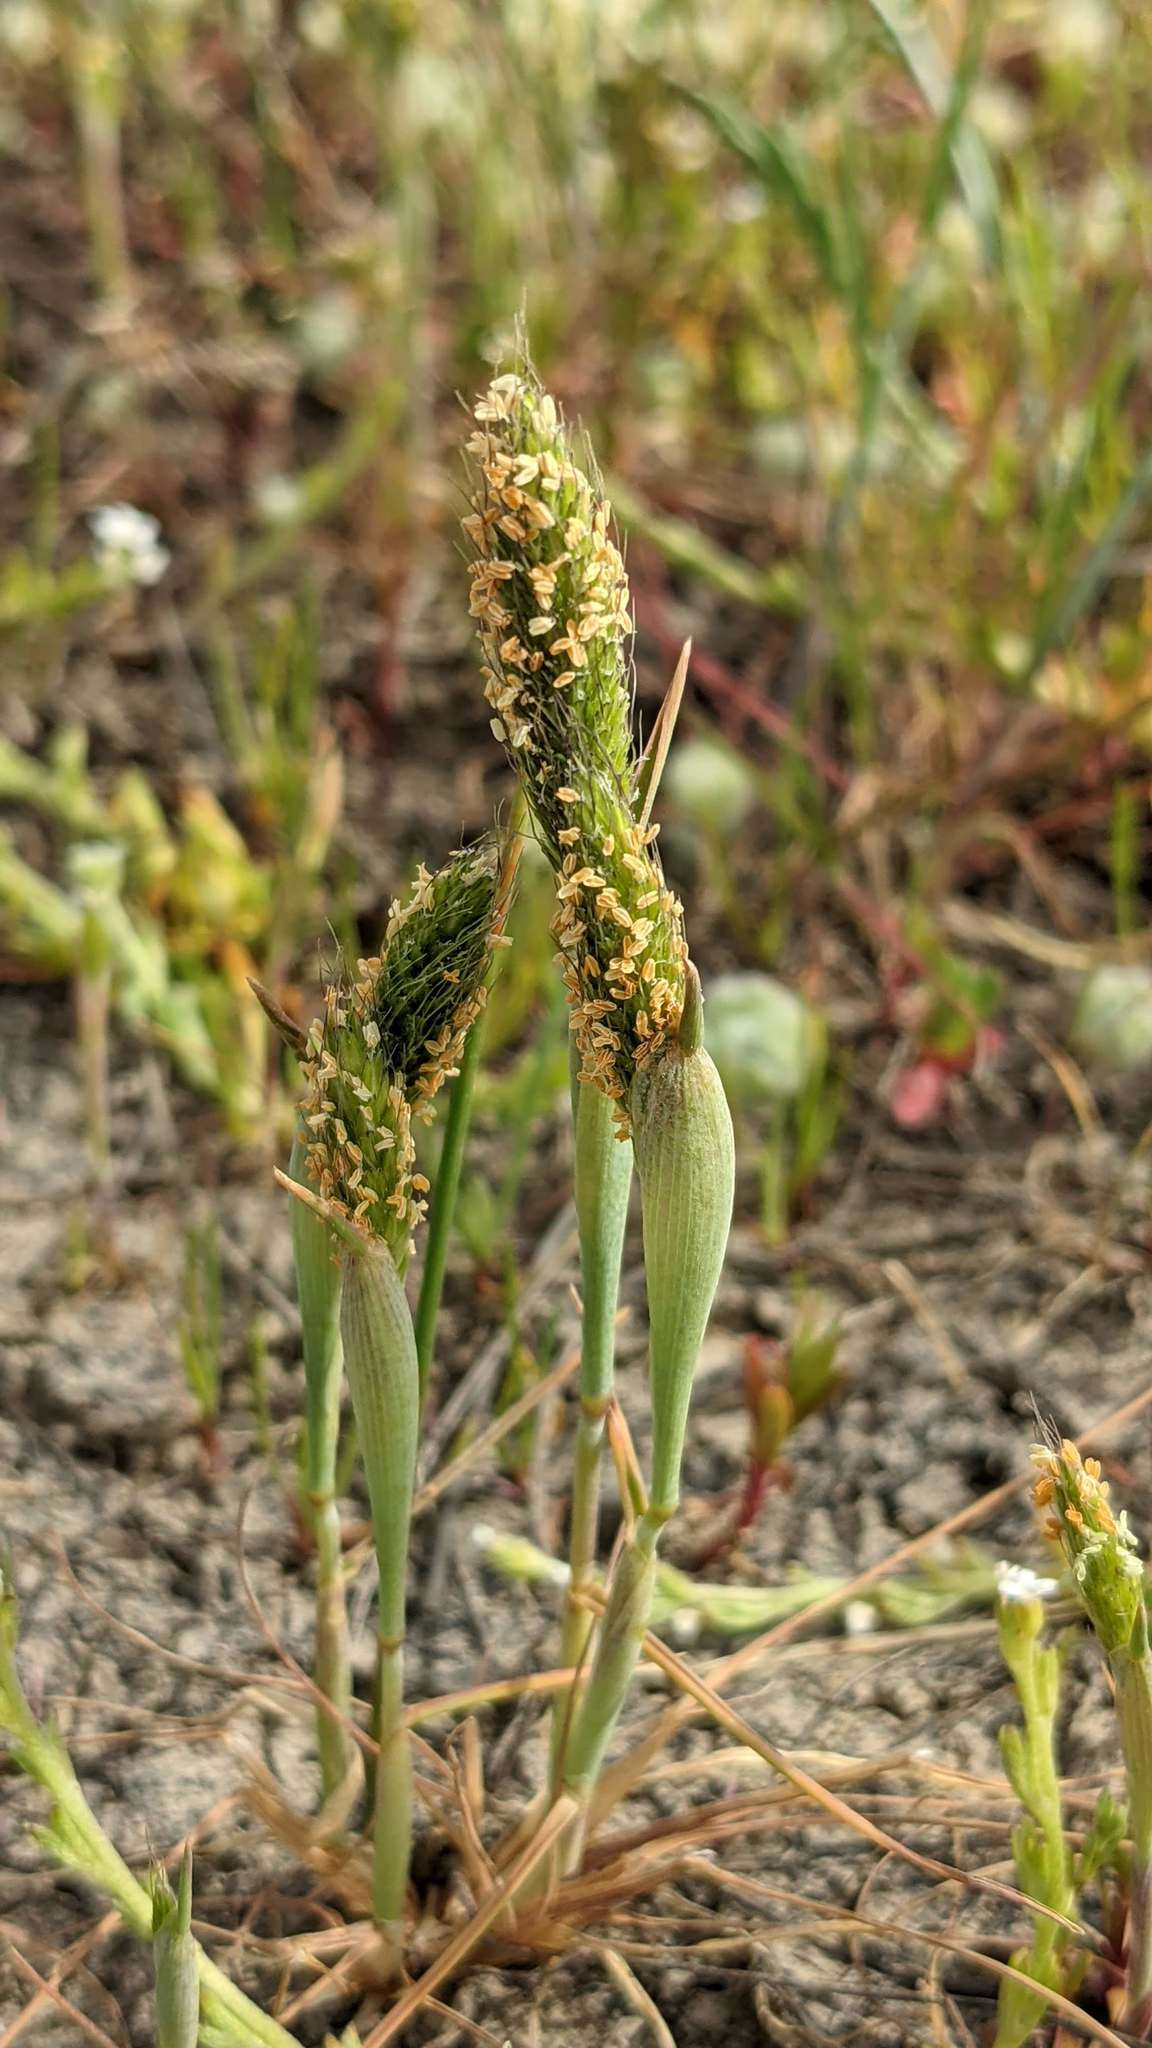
[[26, 31], [323, 27], [279, 500], [1016, 1584], [128, 544]]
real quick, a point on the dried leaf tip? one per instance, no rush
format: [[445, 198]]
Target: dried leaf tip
[[690, 1031], [286, 1027], [390, 1036]]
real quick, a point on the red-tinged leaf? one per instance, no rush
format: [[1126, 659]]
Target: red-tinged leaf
[[917, 1096]]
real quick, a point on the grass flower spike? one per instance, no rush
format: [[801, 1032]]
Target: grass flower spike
[[1098, 1545], [389, 1039], [1101, 1553], [550, 595]]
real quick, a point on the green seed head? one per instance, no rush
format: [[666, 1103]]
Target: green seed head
[[1097, 1544], [550, 595], [391, 1036], [622, 951]]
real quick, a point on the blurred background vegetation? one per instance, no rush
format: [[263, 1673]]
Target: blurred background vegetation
[[852, 299]]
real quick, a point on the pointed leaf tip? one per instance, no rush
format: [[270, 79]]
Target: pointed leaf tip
[[690, 1035]]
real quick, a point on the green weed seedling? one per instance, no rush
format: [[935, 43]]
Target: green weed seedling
[[1039, 1845], [783, 1081], [1050, 1868], [163, 923], [946, 1007], [687, 1605], [1107, 1576]]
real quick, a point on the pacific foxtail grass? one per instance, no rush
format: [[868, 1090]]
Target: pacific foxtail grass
[[444, 1195], [551, 599], [1102, 1556], [390, 1035], [550, 596]]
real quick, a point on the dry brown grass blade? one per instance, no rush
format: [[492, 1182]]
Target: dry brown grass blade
[[447, 1476], [493, 1694], [196, 1665], [772, 1807], [620, 1778], [478, 1867], [728, 1718], [462, 1944], [1072, 1081], [743, 1659], [640, 2000], [70, 1959], [752, 1888], [471, 2028], [660, 738], [45, 1989], [622, 1451]]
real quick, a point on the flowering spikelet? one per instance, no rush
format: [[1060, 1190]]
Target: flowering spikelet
[[391, 1035], [1097, 1544], [550, 595]]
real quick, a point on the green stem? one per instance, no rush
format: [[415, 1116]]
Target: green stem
[[443, 1209], [602, 1181], [93, 999], [76, 1839], [1043, 1862], [96, 68], [618, 1647], [384, 1379], [1133, 1676], [392, 1800], [174, 1953], [318, 1282]]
